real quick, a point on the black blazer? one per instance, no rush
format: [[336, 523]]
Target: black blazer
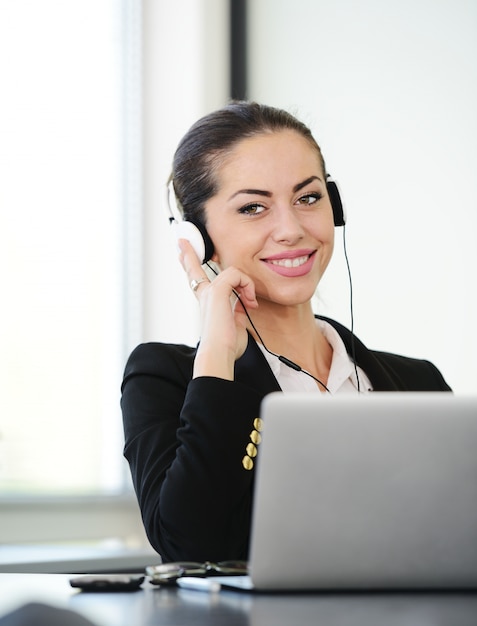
[[185, 440]]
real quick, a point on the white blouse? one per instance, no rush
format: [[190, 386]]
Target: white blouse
[[342, 376]]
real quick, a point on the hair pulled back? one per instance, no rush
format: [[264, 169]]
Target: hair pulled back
[[200, 152]]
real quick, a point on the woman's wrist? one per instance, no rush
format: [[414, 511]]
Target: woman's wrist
[[217, 363]]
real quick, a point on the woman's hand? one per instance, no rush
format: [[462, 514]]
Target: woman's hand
[[223, 320]]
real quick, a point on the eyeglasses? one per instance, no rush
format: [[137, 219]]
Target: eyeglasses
[[168, 573]]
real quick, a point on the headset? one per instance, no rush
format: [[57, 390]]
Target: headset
[[196, 233]]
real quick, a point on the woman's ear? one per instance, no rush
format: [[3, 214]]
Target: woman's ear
[[214, 265]]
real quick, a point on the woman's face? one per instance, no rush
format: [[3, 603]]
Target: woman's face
[[272, 216]]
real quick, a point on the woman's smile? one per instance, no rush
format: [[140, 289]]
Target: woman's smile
[[291, 263]]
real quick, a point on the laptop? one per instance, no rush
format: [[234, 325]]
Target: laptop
[[369, 492]]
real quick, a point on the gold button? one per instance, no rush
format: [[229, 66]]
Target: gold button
[[247, 462], [255, 437], [251, 450], [258, 424]]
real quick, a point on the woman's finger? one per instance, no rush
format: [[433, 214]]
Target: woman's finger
[[191, 264]]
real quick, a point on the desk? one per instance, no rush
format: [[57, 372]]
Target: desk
[[63, 558], [153, 606]]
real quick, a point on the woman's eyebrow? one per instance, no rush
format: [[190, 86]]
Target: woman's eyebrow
[[306, 182], [268, 194], [253, 192]]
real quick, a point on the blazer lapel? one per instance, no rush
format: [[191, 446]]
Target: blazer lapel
[[366, 359], [252, 369]]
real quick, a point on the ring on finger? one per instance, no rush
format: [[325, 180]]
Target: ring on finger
[[194, 284]]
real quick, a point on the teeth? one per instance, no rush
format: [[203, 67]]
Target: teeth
[[290, 262]]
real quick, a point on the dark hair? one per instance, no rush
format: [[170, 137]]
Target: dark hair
[[198, 154]]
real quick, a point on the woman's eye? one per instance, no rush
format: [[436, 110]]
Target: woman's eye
[[310, 198], [252, 209]]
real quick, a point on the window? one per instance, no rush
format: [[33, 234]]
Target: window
[[80, 287], [68, 187]]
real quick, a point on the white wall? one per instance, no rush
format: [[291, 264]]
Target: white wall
[[185, 76], [390, 90]]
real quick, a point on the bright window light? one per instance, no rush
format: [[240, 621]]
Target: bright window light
[[63, 177]]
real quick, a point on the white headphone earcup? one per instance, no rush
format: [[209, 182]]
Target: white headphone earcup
[[189, 231]]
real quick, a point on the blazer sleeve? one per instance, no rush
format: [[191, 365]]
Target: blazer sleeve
[[185, 440]]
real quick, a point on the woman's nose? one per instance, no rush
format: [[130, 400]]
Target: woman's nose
[[287, 226]]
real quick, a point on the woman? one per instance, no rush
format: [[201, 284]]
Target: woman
[[254, 178]]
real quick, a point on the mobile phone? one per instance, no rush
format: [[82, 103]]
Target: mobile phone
[[108, 582]]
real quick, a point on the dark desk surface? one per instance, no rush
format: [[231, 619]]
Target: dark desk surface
[[153, 606]]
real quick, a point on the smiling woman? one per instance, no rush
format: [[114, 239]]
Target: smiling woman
[[253, 180]]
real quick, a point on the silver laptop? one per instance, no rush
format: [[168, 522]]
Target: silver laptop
[[365, 492]]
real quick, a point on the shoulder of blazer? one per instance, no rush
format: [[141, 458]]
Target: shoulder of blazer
[[161, 359], [391, 372], [176, 361]]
